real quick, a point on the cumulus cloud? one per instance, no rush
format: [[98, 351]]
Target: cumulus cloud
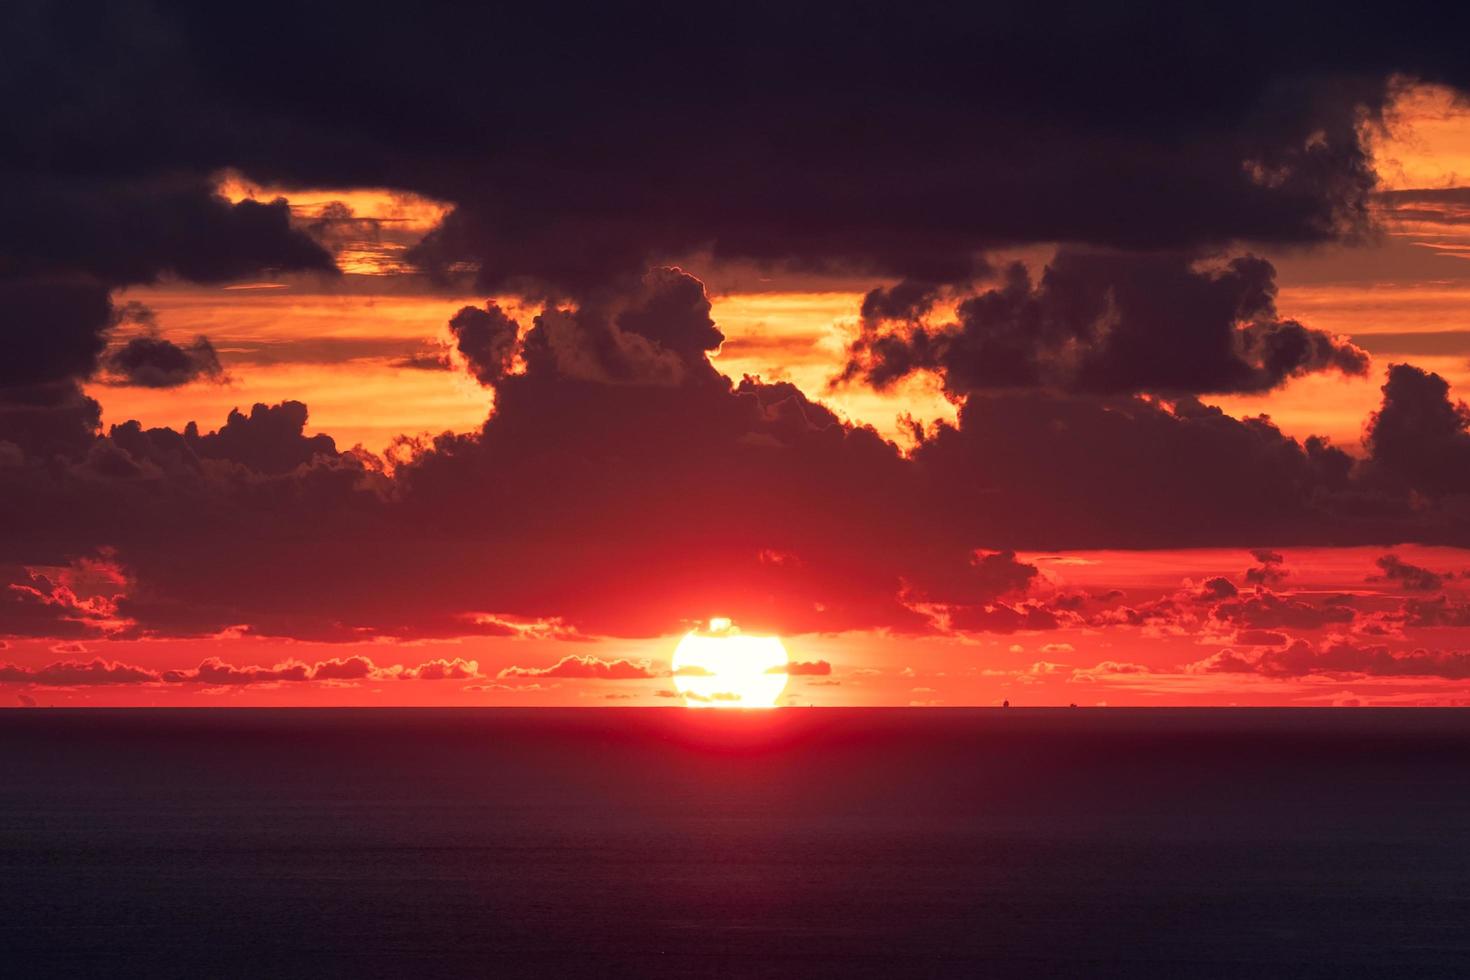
[[151, 361], [1410, 577], [76, 673], [588, 499], [487, 340], [1108, 324]]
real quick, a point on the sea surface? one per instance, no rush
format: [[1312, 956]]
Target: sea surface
[[792, 843]]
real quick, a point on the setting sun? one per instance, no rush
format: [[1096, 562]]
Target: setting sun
[[719, 667]]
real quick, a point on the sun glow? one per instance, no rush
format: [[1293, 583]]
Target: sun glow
[[719, 667]]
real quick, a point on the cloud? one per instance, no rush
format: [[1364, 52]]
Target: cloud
[[1107, 669], [1440, 611], [1302, 659], [621, 485], [76, 673], [1215, 589], [443, 670], [804, 668], [151, 361], [1420, 438], [1107, 324], [1265, 610], [1265, 149], [1270, 570], [1410, 577], [487, 340], [587, 668], [1261, 638]]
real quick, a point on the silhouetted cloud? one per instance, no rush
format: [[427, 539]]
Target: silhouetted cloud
[[76, 673], [1108, 324], [1269, 570], [154, 362], [487, 339], [1410, 577]]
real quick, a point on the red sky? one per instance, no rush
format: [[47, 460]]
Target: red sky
[[1369, 605]]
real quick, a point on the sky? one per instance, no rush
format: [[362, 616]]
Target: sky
[[477, 359]]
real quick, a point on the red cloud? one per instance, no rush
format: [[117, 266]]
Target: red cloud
[[592, 668], [804, 668], [1302, 659], [74, 673]]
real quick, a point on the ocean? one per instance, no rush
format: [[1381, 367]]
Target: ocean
[[788, 843]]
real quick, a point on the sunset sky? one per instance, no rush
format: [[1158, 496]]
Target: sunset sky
[[476, 362]]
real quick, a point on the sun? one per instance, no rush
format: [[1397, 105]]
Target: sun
[[720, 667]]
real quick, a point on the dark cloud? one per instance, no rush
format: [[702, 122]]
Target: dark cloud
[[487, 340], [1105, 323], [271, 439], [1261, 638], [1440, 611], [1411, 577], [1000, 617], [1420, 438], [75, 673], [1216, 588], [214, 672], [54, 328], [622, 486], [154, 362], [1302, 659], [1270, 568], [917, 138], [1265, 610], [1035, 470]]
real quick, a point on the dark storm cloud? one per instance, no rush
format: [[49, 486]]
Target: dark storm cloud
[[896, 139], [1107, 324]]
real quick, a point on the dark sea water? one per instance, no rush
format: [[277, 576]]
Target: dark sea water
[[809, 842]]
